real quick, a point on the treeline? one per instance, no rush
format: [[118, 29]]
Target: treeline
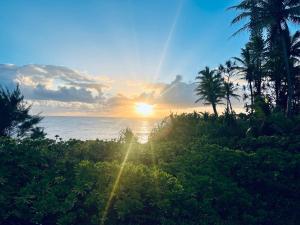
[[269, 63]]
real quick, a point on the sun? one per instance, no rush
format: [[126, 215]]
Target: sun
[[144, 109]]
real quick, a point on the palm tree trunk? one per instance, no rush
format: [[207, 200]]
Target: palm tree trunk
[[289, 77], [259, 85], [230, 105], [258, 80], [251, 93], [277, 89], [215, 109], [227, 104]]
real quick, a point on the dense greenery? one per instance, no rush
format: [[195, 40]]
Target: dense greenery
[[195, 169]]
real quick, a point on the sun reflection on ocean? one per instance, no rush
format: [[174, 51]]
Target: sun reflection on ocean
[[144, 131], [91, 128]]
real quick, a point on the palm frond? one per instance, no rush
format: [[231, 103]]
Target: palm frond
[[241, 17]]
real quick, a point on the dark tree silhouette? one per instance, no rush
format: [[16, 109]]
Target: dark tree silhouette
[[230, 90], [210, 88], [228, 71], [15, 120], [245, 68], [272, 16]]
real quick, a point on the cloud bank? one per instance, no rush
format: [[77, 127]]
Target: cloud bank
[[58, 90]]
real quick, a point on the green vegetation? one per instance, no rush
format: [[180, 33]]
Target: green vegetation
[[196, 169]]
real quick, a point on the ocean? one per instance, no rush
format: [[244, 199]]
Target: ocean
[[91, 128]]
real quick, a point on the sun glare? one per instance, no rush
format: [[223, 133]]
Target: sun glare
[[144, 109]]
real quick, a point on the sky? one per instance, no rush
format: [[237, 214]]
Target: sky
[[100, 57]]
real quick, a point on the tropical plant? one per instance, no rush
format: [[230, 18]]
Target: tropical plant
[[245, 68], [257, 49], [15, 120], [210, 88], [230, 89], [294, 48], [229, 71]]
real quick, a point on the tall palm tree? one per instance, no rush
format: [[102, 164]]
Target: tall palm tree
[[276, 68], [257, 50], [294, 47], [228, 71], [273, 16], [210, 88], [230, 90], [246, 69]]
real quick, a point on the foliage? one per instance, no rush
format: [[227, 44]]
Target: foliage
[[210, 88], [195, 169], [15, 119], [278, 64]]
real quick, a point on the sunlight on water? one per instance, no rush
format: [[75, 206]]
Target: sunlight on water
[[144, 131], [91, 128]]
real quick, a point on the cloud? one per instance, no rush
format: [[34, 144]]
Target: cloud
[[48, 82], [178, 94], [65, 94]]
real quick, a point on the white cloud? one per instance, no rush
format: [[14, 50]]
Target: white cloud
[[47, 82]]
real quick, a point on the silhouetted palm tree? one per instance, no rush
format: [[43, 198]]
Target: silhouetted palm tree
[[229, 90], [273, 16], [246, 69], [276, 68], [294, 48], [210, 88], [257, 51], [228, 71]]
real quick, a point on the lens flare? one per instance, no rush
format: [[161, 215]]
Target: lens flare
[[115, 186]]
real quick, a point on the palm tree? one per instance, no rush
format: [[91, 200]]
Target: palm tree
[[276, 68], [257, 51], [229, 90], [229, 71], [294, 47], [210, 88], [273, 16], [246, 69]]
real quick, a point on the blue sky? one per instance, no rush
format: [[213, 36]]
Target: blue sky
[[137, 41], [119, 37]]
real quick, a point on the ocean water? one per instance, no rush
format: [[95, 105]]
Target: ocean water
[[91, 128]]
